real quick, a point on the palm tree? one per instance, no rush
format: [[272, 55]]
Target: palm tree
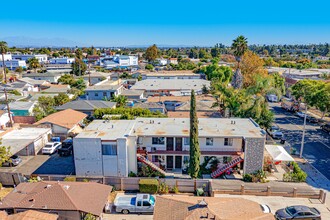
[[120, 100], [3, 50], [34, 63], [239, 46]]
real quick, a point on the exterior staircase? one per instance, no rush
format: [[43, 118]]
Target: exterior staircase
[[147, 162], [223, 168]]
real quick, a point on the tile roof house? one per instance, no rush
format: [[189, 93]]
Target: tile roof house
[[64, 122], [86, 106], [70, 200], [194, 208], [28, 215]]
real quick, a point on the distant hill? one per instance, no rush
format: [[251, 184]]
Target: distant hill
[[21, 41]]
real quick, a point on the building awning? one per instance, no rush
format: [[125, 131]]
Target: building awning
[[278, 153]]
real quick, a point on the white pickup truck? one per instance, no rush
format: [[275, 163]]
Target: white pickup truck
[[141, 203]]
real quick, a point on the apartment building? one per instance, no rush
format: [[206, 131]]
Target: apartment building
[[114, 148], [42, 58]]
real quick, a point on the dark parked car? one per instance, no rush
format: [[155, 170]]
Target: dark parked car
[[67, 148], [13, 161], [298, 212], [326, 128], [311, 119]]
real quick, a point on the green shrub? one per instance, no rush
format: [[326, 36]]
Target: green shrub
[[163, 188], [85, 180], [247, 178], [148, 186], [175, 190], [132, 174], [297, 174], [70, 179]]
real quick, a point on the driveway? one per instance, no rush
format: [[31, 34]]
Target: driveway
[[276, 202], [56, 165]]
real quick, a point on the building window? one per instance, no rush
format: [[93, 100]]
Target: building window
[[186, 141], [104, 94], [209, 141], [228, 142], [158, 140], [155, 158], [96, 94], [109, 149]]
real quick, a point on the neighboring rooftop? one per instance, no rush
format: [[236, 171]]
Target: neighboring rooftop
[[102, 87], [210, 208], [47, 74], [186, 114], [32, 81], [87, 197], [28, 215], [57, 89], [18, 105], [19, 138], [131, 92], [171, 84], [148, 105], [81, 105], [179, 98], [67, 118]]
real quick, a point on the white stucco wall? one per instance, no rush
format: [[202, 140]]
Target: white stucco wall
[[88, 156]]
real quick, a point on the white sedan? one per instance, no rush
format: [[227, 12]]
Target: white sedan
[[51, 147], [300, 114]]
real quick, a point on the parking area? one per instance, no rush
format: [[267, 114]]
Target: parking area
[[43, 164], [276, 202], [56, 165]]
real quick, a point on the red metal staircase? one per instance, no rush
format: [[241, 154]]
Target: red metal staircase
[[147, 162], [222, 169]]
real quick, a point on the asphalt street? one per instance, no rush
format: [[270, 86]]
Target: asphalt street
[[317, 142]]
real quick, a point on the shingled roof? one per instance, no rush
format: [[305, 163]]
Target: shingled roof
[[86, 197], [67, 118]]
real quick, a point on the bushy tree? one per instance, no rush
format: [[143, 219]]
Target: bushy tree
[[120, 100], [61, 99], [34, 63], [151, 53]]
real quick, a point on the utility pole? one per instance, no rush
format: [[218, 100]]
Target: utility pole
[[303, 136], [8, 109]]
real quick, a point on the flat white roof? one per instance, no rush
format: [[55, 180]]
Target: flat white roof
[[171, 84], [20, 138], [171, 127]]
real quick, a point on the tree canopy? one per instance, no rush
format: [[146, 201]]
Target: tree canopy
[[151, 53]]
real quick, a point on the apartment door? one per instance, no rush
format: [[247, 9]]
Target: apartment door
[[178, 144], [169, 162], [178, 162], [169, 143]]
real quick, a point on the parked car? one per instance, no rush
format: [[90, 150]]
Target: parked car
[[141, 203], [311, 119], [298, 212], [265, 208], [275, 132], [12, 162], [300, 114], [272, 98], [326, 128], [67, 148], [51, 147]]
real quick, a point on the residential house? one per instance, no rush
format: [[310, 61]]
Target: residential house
[[109, 148], [152, 106], [64, 123], [42, 58], [37, 84], [28, 215], [6, 57], [177, 87], [86, 106], [14, 64], [209, 208], [69, 200], [95, 77], [103, 92], [133, 94], [170, 75], [172, 61], [56, 89], [26, 141], [20, 108], [119, 61], [62, 60], [49, 77]]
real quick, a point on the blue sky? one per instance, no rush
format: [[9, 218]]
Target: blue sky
[[200, 23]]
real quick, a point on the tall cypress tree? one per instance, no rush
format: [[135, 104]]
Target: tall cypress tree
[[194, 143]]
